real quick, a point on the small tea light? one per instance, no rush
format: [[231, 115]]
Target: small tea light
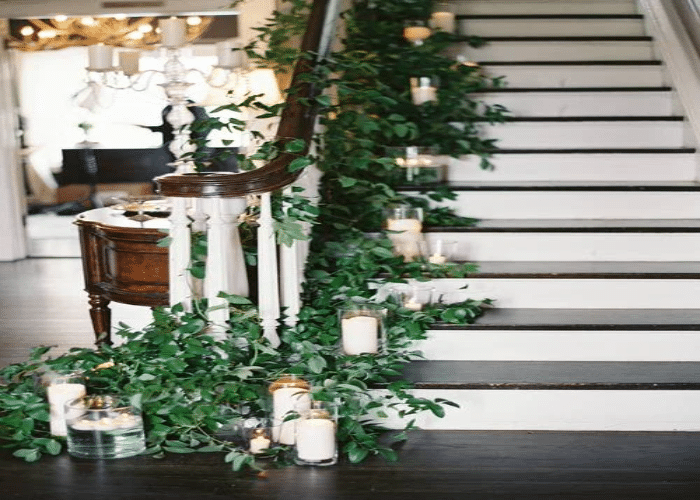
[[416, 31], [420, 163], [443, 18], [316, 435], [361, 328], [412, 296], [423, 89], [61, 390], [259, 441], [405, 225], [440, 251], [290, 395]]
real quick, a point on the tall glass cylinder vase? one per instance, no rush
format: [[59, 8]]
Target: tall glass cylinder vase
[[290, 396], [404, 225], [362, 328]]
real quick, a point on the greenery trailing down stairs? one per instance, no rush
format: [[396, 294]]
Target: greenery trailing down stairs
[[191, 387]]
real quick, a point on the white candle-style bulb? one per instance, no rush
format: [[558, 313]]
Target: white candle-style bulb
[[227, 55], [172, 32], [443, 21], [100, 57], [58, 395], [360, 335], [315, 439], [286, 400], [129, 62]]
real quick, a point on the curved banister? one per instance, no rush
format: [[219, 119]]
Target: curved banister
[[296, 122]]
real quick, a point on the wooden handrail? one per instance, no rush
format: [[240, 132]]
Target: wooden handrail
[[296, 122]]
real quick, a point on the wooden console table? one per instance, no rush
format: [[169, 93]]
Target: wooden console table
[[121, 263]]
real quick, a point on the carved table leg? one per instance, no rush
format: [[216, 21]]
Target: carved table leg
[[101, 319]]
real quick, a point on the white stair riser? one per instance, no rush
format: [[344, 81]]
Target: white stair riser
[[575, 247], [595, 293], [528, 76], [551, 27], [576, 167], [556, 51], [488, 7], [582, 103], [562, 410], [577, 204], [561, 345], [597, 134]]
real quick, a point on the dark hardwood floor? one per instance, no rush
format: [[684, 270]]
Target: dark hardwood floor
[[42, 302]]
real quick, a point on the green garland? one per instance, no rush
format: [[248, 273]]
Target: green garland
[[193, 389]]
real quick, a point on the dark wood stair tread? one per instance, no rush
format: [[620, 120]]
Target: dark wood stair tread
[[515, 90], [544, 151], [545, 39], [555, 375], [549, 16], [611, 118], [573, 226], [582, 319], [590, 62], [588, 270], [562, 186]]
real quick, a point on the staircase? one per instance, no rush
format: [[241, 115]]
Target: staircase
[[589, 238]]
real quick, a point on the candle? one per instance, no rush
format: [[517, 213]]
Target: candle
[[413, 305], [172, 32], [437, 258], [416, 34], [444, 21], [409, 226], [129, 61], [420, 95], [110, 423], [259, 444], [360, 334], [99, 57], [58, 395], [227, 56], [316, 439], [286, 400]]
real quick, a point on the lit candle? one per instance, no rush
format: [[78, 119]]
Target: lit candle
[[288, 395], [259, 442], [360, 334], [99, 57], [421, 94], [172, 32], [129, 61], [227, 56], [437, 258], [416, 34], [58, 395], [444, 21], [315, 439], [413, 305]]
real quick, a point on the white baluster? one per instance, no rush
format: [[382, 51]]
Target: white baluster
[[216, 271], [179, 254], [237, 279], [290, 277], [268, 289], [199, 225]]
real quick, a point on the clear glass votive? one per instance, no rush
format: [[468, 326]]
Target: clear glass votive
[[316, 435], [361, 328], [258, 435], [413, 296], [416, 30], [405, 227], [424, 89], [60, 389], [290, 396], [440, 251], [104, 427], [420, 164]]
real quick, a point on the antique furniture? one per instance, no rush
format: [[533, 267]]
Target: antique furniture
[[121, 263]]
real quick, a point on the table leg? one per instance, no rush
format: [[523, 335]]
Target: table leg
[[101, 318]]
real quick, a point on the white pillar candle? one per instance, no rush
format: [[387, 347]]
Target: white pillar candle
[[420, 95], [259, 444], [100, 57], [360, 334], [444, 21], [58, 395], [315, 439], [284, 401], [129, 61], [172, 32], [409, 226], [227, 56], [416, 34]]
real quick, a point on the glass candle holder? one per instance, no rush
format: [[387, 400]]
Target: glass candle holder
[[443, 17], [258, 435], [60, 389], [440, 251], [420, 164], [104, 427], [316, 435], [290, 396], [412, 296], [416, 30], [405, 227], [362, 328], [424, 89]]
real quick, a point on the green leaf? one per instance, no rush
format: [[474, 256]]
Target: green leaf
[[299, 163], [295, 146]]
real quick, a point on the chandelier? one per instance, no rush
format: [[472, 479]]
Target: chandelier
[[118, 31]]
